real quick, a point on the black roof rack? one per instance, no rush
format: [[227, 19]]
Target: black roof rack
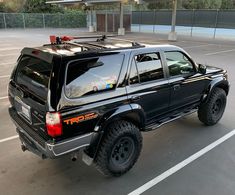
[[126, 40], [110, 49], [104, 37], [97, 45]]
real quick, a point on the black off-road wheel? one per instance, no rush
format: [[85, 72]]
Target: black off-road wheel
[[120, 149], [212, 111]]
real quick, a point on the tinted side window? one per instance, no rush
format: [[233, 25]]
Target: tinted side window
[[34, 74], [134, 77], [178, 63], [149, 67], [89, 76]]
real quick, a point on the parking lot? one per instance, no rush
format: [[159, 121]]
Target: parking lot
[[164, 152]]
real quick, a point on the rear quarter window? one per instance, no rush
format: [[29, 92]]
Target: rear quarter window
[[34, 74], [90, 76]]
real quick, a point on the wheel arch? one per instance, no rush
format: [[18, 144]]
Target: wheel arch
[[130, 112], [220, 82]]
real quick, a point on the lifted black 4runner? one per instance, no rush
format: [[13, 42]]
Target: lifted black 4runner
[[99, 93]]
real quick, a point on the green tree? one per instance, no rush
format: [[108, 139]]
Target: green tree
[[159, 4], [227, 4], [11, 6], [2, 7], [40, 6], [189, 4], [208, 4], [212, 4]]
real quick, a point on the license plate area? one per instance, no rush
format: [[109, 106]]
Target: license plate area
[[23, 110]]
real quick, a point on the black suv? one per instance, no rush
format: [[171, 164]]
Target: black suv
[[98, 94]]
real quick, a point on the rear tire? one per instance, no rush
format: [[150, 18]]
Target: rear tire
[[212, 111], [119, 149]]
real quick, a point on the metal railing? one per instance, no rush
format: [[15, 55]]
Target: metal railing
[[211, 23], [39, 20]]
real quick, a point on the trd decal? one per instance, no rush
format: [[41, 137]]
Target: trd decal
[[81, 118]]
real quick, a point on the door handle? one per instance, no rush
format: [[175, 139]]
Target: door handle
[[135, 98], [176, 87]]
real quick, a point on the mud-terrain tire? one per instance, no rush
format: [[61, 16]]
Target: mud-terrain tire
[[212, 111], [119, 149]]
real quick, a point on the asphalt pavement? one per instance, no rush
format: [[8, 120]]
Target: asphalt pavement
[[212, 173]]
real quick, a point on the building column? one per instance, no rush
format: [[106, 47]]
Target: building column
[[91, 25], [173, 35], [121, 30]]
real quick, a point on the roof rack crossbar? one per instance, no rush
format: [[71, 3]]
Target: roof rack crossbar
[[94, 36], [95, 45], [110, 49], [59, 40], [100, 38], [80, 45], [126, 40]]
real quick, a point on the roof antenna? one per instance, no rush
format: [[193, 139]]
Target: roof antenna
[[58, 40], [102, 38], [135, 44]]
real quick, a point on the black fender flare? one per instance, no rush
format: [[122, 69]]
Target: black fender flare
[[130, 112], [220, 82]]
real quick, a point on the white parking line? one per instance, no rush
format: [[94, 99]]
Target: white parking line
[[195, 46], [226, 51], [181, 165], [10, 48], [3, 98], [152, 42], [11, 54], [8, 138], [3, 64], [4, 76], [5, 44]]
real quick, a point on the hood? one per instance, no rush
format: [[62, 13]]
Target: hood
[[212, 69]]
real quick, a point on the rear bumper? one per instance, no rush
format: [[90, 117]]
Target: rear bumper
[[47, 149]]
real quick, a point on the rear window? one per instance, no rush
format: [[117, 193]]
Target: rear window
[[90, 76], [34, 74]]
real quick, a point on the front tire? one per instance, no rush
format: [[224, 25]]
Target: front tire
[[212, 111], [119, 149]]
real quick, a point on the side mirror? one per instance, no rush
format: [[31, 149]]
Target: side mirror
[[202, 68]]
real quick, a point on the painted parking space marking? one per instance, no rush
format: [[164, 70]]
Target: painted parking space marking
[[10, 65], [9, 49], [6, 44], [5, 64], [4, 76], [11, 54], [219, 52], [195, 46], [181, 165], [3, 98], [152, 42], [8, 138]]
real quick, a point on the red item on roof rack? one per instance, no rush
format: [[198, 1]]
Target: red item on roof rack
[[66, 38], [58, 40], [53, 39]]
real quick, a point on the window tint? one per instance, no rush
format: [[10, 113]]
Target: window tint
[[34, 74], [94, 75], [134, 77], [178, 63], [149, 67]]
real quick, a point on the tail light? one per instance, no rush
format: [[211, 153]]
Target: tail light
[[54, 124]]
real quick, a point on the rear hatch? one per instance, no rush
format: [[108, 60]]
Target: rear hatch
[[28, 93]]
